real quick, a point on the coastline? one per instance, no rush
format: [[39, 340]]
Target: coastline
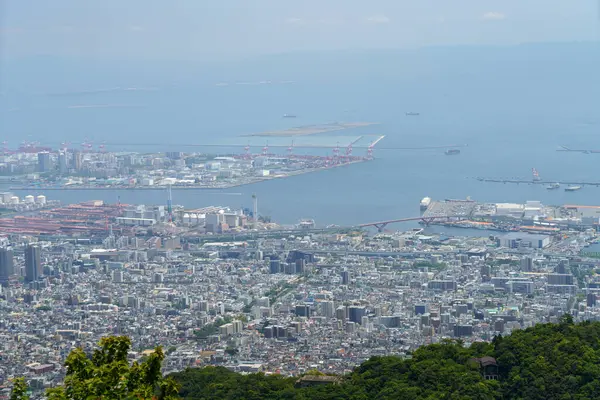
[[188, 187]]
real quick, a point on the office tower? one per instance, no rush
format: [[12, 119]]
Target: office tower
[[560, 279], [6, 264], [77, 160], [117, 276], [527, 264], [345, 277], [356, 313], [463, 330], [591, 300], [562, 267], [303, 311], [421, 309], [63, 166], [340, 313], [275, 266], [33, 263], [300, 266], [327, 309], [44, 162]]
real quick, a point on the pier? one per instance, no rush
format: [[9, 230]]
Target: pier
[[540, 182]]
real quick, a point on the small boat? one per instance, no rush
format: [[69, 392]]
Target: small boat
[[572, 188], [553, 186], [452, 152], [289, 116], [412, 114]]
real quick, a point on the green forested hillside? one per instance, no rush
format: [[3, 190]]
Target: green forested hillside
[[550, 361]]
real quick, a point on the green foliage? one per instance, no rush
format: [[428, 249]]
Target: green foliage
[[549, 362], [19, 390], [108, 375], [220, 383]]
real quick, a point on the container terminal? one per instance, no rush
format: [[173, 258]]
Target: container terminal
[[88, 168]]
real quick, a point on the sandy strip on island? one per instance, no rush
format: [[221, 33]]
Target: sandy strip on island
[[315, 129]]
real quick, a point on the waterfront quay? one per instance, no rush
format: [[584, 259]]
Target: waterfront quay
[[531, 216], [539, 182]]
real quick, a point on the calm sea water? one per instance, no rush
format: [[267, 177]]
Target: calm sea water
[[511, 122]]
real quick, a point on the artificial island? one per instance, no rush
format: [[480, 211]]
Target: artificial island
[[33, 166]]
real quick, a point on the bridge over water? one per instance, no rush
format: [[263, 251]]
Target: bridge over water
[[426, 220]]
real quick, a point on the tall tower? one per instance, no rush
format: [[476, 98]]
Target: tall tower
[[44, 161], [63, 166], [255, 211], [170, 204], [6, 264], [33, 263]]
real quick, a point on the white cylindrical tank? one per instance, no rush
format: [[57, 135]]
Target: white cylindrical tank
[[14, 200], [41, 199], [186, 218], [29, 199]]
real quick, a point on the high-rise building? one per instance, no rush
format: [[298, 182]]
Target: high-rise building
[[527, 264], [6, 264], [421, 309], [345, 277], [562, 267], [63, 165], [44, 161], [327, 309], [117, 276], [77, 160], [303, 310], [356, 313], [300, 266], [33, 263], [560, 279], [591, 300], [275, 266]]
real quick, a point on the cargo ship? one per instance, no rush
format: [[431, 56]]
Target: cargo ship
[[553, 186], [572, 188], [425, 203], [412, 114], [452, 152]]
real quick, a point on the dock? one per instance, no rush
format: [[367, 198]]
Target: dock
[[540, 182]]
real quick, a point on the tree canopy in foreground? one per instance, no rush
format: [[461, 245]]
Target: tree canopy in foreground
[[546, 362], [107, 374]]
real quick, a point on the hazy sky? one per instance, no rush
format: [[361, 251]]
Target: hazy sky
[[198, 29]]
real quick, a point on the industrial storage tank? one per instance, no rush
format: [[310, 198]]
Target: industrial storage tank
[[186, 218], [41, 199], [14, 200], [29, 199]]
